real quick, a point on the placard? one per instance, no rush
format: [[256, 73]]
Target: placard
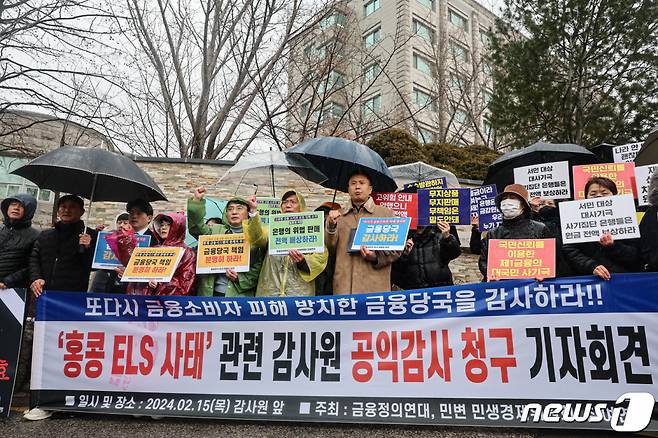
[[444, 205], [546, 180], [266, 207], [643, 176], [402, 204], [480, 193], [303, 232], [586, 220], [482, 355], [521, 258], [219, 252], [626, 153], [381, 233], [440, 182], [104, 258], [152, 264], [12, 315], [623, 174]]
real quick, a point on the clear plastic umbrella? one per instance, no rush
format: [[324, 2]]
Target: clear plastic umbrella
[[419, 171]]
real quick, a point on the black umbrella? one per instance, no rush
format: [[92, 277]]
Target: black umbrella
[[338, 158], [648, 154], [501, 171], [93, 173]]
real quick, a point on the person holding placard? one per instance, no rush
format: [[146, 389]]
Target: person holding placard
[[106, 281], [607, 256], [168, 230], [649, 229], [284, 275], [513, 204], [364, 271], [232, 283]]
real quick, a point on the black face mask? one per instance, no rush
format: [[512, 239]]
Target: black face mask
[[548, 212]]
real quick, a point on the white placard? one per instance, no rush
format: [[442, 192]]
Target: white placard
[[626, 153], [643, 175], [547, 180], [586, 220]]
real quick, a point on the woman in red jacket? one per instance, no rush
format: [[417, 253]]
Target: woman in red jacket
[[168, 231]]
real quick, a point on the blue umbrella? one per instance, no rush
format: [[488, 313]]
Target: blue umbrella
[[339, 158]]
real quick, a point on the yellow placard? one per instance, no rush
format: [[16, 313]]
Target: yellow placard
[[220, 252], [640, 215], [152, 264]]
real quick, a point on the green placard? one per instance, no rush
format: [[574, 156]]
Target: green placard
[[301, 231], [267, 207]]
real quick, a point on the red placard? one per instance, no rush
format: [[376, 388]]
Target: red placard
[[402, 204], [623, 174], [521, 258]]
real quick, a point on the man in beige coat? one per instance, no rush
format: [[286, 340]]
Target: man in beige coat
[[364, 271]]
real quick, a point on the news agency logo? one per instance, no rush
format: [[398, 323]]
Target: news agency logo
[[637, 416]]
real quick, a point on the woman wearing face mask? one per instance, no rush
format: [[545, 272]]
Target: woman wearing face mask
[[607, 256], [513, 203]]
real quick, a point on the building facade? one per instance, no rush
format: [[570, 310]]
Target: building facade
[[369, 65]]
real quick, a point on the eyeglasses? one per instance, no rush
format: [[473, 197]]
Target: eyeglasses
[[291, 201]]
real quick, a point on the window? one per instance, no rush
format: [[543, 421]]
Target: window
[[335, 110], [333, 80], [31, 190], [421, 98], [304, 109], [486, 97], [485, 37], [371, 72], [371, 7], [45, 195], [458, 20], [334, 18], [372, 105], [461, 116], [424, 135], [422, 30], [454, 82], [3, 190], [13, 189], [422, 64], [427, 3], [459, 52], [372, 37], [486, 68]]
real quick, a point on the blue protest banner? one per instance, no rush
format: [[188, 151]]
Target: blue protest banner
[[489, 215], [382, 233], [104, 258], [444, 205]]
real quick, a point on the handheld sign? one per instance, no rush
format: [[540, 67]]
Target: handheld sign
[[267, 207], [480, 193], [220, 252], [444, 205], [623, 174], [381, 233], [402, 204], [546, 180], [521, 258], [489, 215], [152, 264], [586, 220], [104, 258], [626, 153], [303, 232], [643, 176], [440, 183]]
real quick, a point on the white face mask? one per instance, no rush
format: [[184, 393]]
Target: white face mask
[[510, 208]]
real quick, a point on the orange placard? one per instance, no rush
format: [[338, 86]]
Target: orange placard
[[623, 174], [521, 258], [217, 253], [152, 264]]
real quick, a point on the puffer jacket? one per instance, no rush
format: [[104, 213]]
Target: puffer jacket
[[649, 230], [521, 227], [56, 257], [426, 265], [621, 257], [16, 241]]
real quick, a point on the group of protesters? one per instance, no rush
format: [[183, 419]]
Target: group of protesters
[[60, 258]]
